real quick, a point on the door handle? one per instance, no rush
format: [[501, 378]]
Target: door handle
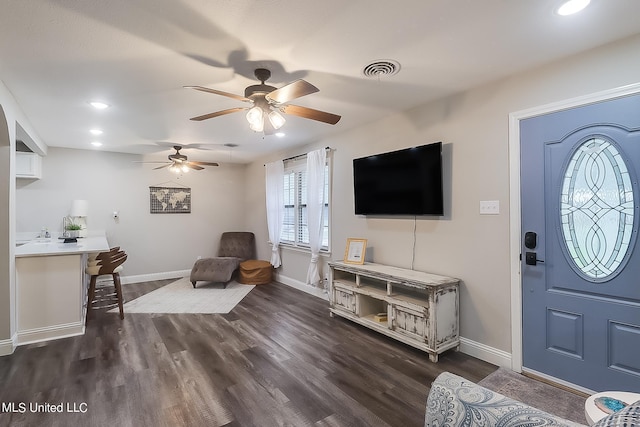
[[531, 258]]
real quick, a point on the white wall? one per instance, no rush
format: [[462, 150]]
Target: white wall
[[155, 243], [474, 128]]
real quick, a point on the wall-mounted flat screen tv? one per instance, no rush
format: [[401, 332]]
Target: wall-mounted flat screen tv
[[403, 182]]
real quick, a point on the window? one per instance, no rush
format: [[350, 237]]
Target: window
[[597, 210], [295, 231]]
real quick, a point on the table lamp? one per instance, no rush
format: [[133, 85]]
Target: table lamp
[[78, 214]]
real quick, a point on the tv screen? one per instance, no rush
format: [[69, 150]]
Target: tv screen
[[403, 182]]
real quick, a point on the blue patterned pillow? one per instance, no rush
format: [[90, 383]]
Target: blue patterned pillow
[[626, 417]]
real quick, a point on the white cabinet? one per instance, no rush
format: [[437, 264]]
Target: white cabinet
[[50, 297], [421, 308], [28, 165], [51, 288]]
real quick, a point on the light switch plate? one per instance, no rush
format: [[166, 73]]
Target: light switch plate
[[489, 207]]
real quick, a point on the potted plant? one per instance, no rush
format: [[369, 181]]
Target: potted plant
[[73, 229]]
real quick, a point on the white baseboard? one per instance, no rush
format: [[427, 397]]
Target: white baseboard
[[301, 286], [486, 353], [8, 346], [125, 280], [49, 333]]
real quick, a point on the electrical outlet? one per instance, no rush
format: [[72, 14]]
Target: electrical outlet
[[489, 207]]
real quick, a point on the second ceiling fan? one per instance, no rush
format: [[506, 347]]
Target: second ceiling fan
[[268, 102], [179, 163]]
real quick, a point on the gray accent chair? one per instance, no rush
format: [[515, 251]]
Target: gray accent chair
[[235, 247]]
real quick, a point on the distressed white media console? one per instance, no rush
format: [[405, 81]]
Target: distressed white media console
[[421, 308]]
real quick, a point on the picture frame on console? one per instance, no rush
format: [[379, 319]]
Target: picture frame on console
[[355, 251]]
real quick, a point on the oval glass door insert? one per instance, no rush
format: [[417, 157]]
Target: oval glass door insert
[[597, 210]]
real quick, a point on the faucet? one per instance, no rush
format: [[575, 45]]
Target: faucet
[[65, 222]]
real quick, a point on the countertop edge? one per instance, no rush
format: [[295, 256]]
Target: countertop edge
[[56, 247]]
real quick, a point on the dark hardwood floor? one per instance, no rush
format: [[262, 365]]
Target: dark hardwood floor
[[277, 359]]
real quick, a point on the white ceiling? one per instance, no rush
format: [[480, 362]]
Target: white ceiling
[[56, 55]]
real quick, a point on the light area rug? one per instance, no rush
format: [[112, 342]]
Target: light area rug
[[181, 297]]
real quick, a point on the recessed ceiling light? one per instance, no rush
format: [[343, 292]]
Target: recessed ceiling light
[[99, 105], [572, 6], [96, 132], [280, 134], [96, 144]]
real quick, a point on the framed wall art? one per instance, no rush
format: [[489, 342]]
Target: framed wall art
[[355, 250], [169, 200]]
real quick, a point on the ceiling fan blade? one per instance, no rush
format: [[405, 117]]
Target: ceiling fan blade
[[142, 161], [310, 113], [217, 113], [193, 166], [204, 163], [291, 91], [219, 92], [165, 166], [170, 144]]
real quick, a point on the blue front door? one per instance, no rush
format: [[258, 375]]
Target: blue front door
[[580, 255]]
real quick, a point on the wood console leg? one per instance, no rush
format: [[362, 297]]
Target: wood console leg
[[433, 357]]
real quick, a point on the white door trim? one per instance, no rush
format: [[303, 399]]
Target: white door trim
[[515, 231]]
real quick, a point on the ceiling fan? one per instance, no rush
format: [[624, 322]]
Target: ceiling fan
[[267, 102], [179, 163]]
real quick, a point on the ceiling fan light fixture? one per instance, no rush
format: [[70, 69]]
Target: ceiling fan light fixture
[[276, 119], [177, 168], [257, 127], [255, 116]]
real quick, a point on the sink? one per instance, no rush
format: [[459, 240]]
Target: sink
[[41, 241]]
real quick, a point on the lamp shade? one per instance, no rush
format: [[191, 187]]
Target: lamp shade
[[79, 208]]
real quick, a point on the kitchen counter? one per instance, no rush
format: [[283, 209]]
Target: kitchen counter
[[47, 247], [51, 287]]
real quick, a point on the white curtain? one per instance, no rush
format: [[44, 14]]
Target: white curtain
[[275, 207], [315, 208]]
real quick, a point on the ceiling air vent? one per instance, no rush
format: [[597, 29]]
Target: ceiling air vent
[[383, 67]]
